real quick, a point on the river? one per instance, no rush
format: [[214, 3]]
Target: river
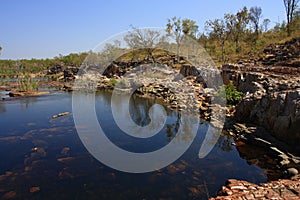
[[44, 158]]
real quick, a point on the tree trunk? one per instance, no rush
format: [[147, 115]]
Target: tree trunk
[[236, 45], [223, 51]]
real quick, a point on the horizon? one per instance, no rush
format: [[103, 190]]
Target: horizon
[[41, 30]]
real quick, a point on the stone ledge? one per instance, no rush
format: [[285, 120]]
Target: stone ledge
[[281, 189]]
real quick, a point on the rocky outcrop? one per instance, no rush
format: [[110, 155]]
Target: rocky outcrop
[[271, 96], [286, 54], [67, 72], [32, 93], [281, 189], [273, 104]]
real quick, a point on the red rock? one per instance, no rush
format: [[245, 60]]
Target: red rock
[[34, 189], [9, 195]]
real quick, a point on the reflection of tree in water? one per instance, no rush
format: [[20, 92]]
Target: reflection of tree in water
[[2, 108], [104, 96], [139, 113], [173, 128], [26, 102], [225, 143], [139, 110]]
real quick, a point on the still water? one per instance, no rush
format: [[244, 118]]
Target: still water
[[44, 158]]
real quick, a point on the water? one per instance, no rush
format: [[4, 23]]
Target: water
[[43, 158]]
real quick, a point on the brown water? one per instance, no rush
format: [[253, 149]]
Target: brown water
[[43, 158]]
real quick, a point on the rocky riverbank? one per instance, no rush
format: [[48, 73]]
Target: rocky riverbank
[[281, 189], [267, 117]]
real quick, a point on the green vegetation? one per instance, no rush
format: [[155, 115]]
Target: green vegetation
[[236, 36], [230, 94], [113, 82], [244, 35], [28, 84], [15, 68]]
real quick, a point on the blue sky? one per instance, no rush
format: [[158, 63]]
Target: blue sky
[[41, 29]]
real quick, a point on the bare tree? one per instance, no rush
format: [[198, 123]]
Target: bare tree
[[290, 7], [145, 39]]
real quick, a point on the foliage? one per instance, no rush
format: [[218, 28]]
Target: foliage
[[180, 28], [230, 94], [255, 15], [290, 9], [143, 39], [113, 82], [12, 68], [232, 38], [27, 83], [228, 39]]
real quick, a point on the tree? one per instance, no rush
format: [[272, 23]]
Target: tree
[[145, 39], [112, 50], [265, 25], [181, 28], [290, 7], [254, 16], [0, 49], [220, 31], [236, 24]]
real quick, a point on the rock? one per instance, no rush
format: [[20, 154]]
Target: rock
[[65, 151], [292, 172], [70, 73], [65, 160], [238, 189], [27, 93], [271, 96], [34, 189], [67, 87], [9, 195], [60, 115]]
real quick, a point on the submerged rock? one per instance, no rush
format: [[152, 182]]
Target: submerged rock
[[9, 195], [27, 93], [60, 115]]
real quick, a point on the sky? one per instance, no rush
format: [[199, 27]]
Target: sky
[[47, 28]]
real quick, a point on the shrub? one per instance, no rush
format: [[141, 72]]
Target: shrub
[[113, 82], [27, 83], [230, 94]]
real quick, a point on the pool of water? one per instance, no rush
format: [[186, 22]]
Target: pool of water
[[44, 158]]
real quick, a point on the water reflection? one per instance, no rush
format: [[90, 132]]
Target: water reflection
[[2, 107], [50, 156], [225, 143]]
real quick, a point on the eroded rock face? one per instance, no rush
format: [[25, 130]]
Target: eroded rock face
[[286, 54], [271, 99], [271, 87]]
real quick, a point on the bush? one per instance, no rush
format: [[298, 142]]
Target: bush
[[230, 94], [113, 82], [27, 84]]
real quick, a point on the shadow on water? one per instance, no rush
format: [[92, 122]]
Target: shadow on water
[[43, 158]]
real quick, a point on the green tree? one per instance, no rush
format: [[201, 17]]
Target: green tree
[[179, 29], [218, 29], [236, 24], [255, 15]]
